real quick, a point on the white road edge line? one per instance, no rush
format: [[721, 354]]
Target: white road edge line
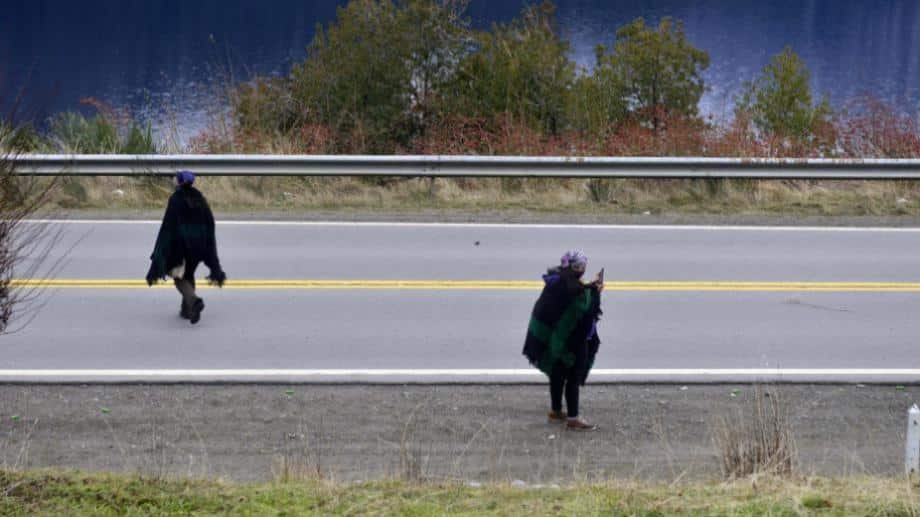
[[358, 224], [470, 372]]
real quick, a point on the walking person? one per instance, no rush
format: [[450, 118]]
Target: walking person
[[562, 336], [186, 239]]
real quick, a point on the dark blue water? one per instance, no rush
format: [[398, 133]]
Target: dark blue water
[[162, 59]]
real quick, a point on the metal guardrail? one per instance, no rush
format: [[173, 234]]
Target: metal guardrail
[[466, 166]]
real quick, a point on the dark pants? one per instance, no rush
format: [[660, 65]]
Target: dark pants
[[186, 284], [564, 379]]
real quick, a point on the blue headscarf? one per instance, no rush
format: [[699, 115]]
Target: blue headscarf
[[185, 177]]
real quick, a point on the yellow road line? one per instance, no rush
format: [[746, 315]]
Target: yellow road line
[[489, 285]]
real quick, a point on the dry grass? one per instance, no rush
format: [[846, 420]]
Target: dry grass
[[302, 457], [756, 440], [594, 196]]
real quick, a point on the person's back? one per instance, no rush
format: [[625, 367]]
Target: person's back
[[186, 239], [196, 225]]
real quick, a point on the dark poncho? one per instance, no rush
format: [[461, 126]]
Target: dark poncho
[[187, 234], [562, 326]]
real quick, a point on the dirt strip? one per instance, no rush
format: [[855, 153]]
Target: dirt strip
[[470, 432]]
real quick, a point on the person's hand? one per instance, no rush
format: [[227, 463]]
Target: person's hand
[[217, 278], [151, 279], [599, 282]]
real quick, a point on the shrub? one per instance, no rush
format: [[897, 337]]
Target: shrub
[[658, 73], [876, 130], [597, 104], [518, 70], [756, 440], [23, 248], [779, 103], [264, 105], [372, 74], [71, 132], [22, 139]]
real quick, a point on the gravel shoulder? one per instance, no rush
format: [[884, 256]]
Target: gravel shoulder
[[471, 432]]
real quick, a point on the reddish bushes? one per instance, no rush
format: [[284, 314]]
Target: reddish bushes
[[866, 129], [876, 130]]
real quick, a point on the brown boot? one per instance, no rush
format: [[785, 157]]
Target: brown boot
[[577, 424], [556, 417]]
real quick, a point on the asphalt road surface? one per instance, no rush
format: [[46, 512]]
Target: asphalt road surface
[[419, 302]]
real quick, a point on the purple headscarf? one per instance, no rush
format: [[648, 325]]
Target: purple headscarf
[[185, 177], [575, 259]]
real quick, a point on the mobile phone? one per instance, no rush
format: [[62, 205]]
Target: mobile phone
[[600, 275]]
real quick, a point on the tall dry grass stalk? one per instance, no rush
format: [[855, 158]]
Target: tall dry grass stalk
[[756, 439], [303, 458]]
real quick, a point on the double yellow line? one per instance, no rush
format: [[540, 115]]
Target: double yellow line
[[486, 285]]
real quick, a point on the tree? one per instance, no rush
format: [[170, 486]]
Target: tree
[[657, 72], [598, 100], [520, 69], [780, 102], [372, 74], [438, 40], [264, 104]]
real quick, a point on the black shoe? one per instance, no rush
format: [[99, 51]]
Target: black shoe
[[195, 313], [184, 313]]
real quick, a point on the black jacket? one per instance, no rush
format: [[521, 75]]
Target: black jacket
[[563, 325], [186, 234]]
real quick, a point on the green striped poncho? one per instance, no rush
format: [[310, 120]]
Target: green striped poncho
[[563, 325]]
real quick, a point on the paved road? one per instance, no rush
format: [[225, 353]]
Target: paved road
[[673, 333]]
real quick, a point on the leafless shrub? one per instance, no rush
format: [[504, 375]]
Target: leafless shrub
[[24, 248], [414, 456], [158, 453], [302, 458], [757, 439], [15, 446]]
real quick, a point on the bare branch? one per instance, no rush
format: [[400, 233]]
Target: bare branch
[[24, 248]]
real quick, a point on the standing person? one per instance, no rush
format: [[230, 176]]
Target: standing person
[[185, 240], [562, 336]]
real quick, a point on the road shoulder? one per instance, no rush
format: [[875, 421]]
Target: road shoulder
[[473, 432]]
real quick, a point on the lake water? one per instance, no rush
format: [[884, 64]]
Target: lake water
[[159, 58]]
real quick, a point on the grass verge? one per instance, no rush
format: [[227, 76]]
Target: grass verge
[[74, 493], [549, 196]]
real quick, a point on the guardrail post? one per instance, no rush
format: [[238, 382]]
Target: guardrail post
[[912, 453]]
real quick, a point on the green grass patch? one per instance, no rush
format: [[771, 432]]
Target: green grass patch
[[74, 493]]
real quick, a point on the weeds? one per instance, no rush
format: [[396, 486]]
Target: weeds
[[107, 132], [158, 454], [411, 465], [303, 458], [67, 493], [16, 445], [757, 440]]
